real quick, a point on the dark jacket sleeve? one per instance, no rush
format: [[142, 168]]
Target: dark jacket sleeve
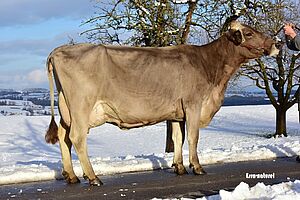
[[297, 42], [293, 44]]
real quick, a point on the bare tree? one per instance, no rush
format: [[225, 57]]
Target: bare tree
[[144, 23], [141, 22], [278, 77], [173, 22]]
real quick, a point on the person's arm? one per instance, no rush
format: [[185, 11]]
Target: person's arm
[[297, 42], [292, 39], [293, 43]]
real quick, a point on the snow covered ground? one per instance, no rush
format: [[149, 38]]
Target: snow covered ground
[[283, 191], [235, 134], [288, 191]]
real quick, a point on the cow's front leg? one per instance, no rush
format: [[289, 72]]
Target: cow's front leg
[[178, 133], [65, 148], [193, 120], [78, 136]]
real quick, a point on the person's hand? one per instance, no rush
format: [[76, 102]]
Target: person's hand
[[289, 30]]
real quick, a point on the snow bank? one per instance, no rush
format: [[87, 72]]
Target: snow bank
[[283, 191], [235, 134], [289, 190]]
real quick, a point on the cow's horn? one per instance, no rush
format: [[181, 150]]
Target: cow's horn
[[235, 25]]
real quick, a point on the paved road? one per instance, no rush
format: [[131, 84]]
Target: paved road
[[160, 183]]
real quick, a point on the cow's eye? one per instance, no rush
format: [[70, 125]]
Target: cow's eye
[[249, 34]]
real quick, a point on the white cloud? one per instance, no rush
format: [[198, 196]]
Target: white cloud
[[37, 76], [31, 29], [24, 79], [27, 46], [32, 52], [20, 12]]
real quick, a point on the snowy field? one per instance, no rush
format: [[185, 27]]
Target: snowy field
[[235, 134]]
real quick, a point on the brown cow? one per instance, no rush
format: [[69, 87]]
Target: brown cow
[[134, 87]]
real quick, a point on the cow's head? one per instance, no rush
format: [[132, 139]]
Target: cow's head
[[251, 43]]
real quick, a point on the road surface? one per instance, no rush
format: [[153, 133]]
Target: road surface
[[159, 183]]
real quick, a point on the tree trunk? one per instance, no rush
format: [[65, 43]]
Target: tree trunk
[[186, 31], [169, 141], [299, 101], [280, 122]]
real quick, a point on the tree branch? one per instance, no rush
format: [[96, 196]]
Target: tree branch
[[266, 83], [290, 77], [188, 21], [294, 99]]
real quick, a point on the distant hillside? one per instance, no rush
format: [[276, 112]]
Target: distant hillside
[[242, 100], [40, 96], [35, 90]]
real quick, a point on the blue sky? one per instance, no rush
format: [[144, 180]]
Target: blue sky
[[29, 30]]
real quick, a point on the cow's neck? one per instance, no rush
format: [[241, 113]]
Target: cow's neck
[[228, 60]]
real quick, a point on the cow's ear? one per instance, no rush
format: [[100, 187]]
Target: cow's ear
[[235, 36]]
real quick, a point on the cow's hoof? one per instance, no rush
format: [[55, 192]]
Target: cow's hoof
[[96, 182], [73, 180], [70, 180], [85, 177], [298, 159], [179, 169], [198, 170]]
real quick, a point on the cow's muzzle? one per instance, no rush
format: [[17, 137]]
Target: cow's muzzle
[[274, 51], [272, 47], [279, 44], [276, 46]]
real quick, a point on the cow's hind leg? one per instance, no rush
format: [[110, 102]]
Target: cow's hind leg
[[193, 120], [65, 148], [178, 138], [78, 136]]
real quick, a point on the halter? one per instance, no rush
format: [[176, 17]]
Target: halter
[[251, 47]]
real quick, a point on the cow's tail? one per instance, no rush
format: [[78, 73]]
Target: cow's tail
[[52, 132]]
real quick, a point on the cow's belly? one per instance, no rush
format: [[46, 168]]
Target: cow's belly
[[132, 116]]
